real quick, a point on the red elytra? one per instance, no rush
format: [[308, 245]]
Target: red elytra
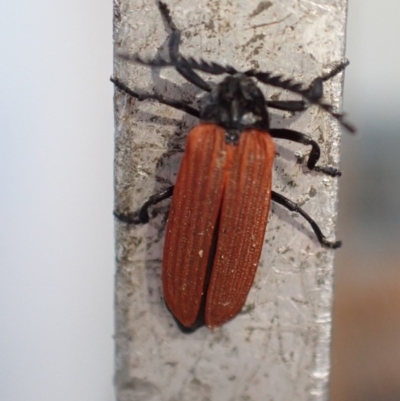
[[221, 200]]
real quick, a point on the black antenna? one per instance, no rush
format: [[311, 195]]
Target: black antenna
[[267, 78]]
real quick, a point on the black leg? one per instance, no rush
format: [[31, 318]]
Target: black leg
[[141, 216], [173, 49], [315, 150], [287, 105], [176, 104], [315, 90], [293, 207]]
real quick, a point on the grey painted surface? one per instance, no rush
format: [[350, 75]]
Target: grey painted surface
[[278, 348]]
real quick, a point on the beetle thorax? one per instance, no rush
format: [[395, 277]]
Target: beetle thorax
[[236, 104]]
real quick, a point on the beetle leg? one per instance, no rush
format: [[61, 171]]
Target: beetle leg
[[315, 153], [176, 104], [141, 216], [293, 207], [287, 105]]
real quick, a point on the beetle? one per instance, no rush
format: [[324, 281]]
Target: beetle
[[221, 198]]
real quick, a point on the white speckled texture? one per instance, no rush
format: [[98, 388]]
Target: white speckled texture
[[278, 347]]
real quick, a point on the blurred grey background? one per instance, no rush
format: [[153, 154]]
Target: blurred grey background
[[56, 227], [56, 230], [366, 325]]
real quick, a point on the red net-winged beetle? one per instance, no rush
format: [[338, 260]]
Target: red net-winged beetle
[[221, 198]]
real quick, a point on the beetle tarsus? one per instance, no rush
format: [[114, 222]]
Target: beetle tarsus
[[135, 218], [328, 170], [331, 245], [315, 153], [141, 216]]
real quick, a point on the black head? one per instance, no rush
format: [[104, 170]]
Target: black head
[[236, 104]]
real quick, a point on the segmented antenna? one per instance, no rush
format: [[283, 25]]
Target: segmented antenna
[[267, 78]]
